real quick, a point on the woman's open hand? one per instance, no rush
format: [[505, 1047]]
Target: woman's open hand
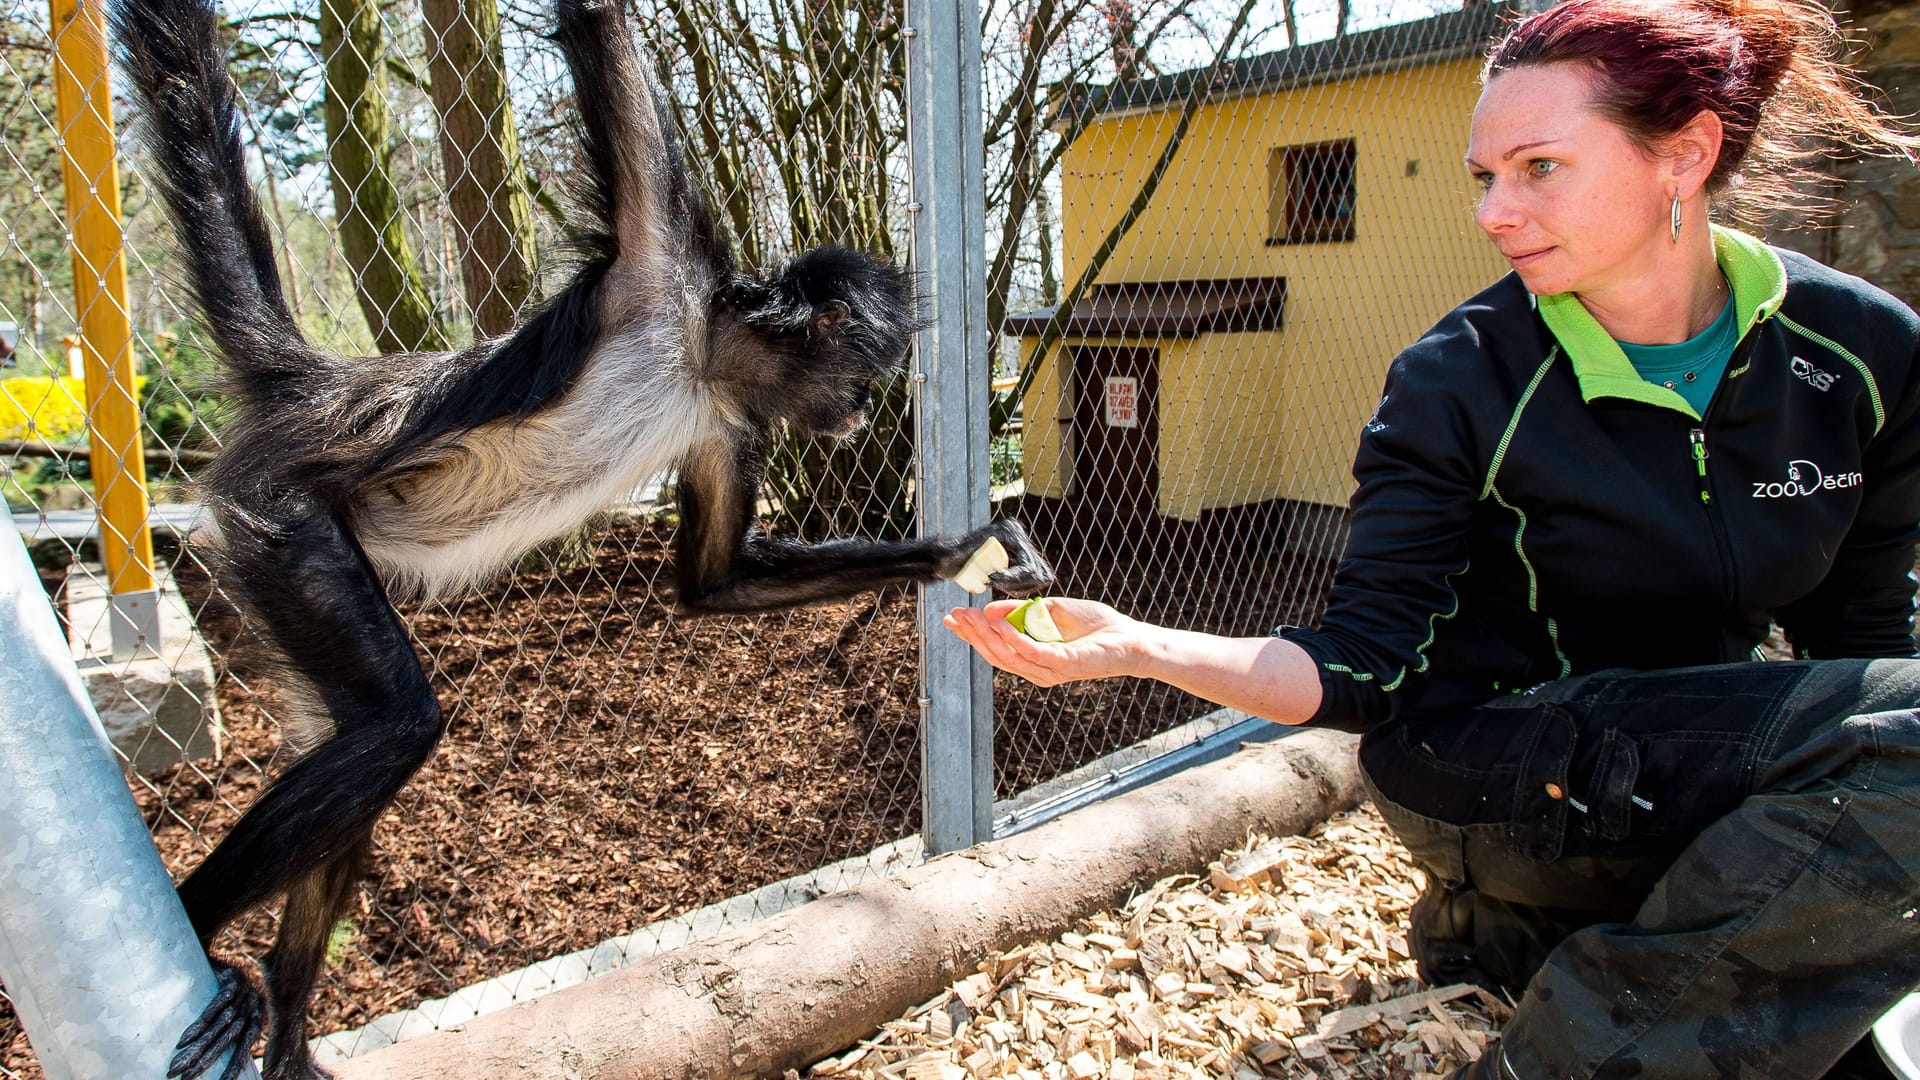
[[1100, 642]]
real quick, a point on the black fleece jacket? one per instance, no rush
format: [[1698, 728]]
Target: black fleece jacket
[[1530, 508]]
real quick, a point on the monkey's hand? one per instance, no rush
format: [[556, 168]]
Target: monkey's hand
[[231, 1021], [1027, 571]]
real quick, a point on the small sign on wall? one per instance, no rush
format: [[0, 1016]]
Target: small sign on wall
[[1123, 401]]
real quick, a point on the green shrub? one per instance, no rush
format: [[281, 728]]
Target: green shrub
[[180, 406]]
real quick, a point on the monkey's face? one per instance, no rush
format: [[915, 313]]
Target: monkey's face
[[838, 408], [842, 321]]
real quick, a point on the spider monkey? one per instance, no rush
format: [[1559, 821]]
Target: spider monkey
[[347, 485]]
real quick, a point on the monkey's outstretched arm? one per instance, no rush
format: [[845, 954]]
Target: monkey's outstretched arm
[[725, 565]]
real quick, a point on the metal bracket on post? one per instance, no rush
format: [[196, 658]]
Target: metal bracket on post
[[948, 209], [96, 953], [135, 623]]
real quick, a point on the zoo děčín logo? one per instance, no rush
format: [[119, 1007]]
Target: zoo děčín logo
[[1804, 478]]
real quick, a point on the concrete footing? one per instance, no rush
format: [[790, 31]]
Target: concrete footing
[[158, 705]]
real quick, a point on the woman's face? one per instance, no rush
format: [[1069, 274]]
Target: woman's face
[[1570, 201]]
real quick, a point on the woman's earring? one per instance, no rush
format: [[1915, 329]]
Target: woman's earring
[[1676, 219]]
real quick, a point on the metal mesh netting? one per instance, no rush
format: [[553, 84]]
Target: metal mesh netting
[[1209, 225]]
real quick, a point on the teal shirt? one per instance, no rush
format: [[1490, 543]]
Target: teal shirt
[[1692, 368]]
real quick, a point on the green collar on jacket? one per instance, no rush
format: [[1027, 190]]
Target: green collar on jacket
[[1759, 286]]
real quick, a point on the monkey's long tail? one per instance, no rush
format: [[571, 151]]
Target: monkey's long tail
[[189, 128]]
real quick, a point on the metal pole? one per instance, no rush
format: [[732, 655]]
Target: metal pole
[[95, 950], [949, 251], [85, 107]]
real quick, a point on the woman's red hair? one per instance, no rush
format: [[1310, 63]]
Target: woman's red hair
[[1771, 70]]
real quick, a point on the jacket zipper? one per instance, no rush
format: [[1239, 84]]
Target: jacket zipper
[[1698, 437], [1697, 440]]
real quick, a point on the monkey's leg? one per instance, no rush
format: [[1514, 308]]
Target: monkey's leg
[[314, 906], [314, 596]]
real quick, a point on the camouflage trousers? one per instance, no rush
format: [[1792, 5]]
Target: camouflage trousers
[[1700, 872]]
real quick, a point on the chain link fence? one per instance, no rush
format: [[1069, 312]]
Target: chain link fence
[[1234, 215], [1209, 224]]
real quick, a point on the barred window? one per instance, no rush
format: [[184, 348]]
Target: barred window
[[1310, 193]]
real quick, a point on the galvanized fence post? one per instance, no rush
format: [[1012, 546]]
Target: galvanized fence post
[[948, 212], [95, 950]]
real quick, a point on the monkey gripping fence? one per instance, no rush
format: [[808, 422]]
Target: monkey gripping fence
[[1166, 249]]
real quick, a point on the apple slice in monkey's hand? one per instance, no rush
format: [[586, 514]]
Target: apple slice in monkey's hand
[[988, 559], [1034, 620]]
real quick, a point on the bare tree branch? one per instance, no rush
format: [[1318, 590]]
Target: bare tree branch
[[1199, 90]]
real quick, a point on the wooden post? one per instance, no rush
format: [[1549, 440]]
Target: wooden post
[[100, 297]]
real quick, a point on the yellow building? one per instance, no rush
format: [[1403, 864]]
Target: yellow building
[[1315, 219]]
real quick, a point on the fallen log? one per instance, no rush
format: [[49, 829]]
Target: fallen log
[[785, 992]]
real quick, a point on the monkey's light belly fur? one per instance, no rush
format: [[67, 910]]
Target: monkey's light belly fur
[[611, 434]]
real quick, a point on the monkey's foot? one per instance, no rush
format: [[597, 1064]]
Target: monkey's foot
[[231, 1021]]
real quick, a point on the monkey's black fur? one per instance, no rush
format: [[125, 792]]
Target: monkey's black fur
[[346, 484]]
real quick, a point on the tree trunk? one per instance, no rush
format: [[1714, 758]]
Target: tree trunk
[[366, 206], [1122, 26], [728, 183], [1049, 281], [486, 192]]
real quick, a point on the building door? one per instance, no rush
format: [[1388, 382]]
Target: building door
[[1116, 429]]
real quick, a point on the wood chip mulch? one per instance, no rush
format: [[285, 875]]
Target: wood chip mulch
[[1288, 960]]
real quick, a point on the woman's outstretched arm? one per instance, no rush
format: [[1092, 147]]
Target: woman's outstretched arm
[[1263, 676]]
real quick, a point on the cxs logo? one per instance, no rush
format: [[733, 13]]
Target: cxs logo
[[1804, 478], [1813, 376]]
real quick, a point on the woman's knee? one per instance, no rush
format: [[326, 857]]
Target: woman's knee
[[1434, 845]]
